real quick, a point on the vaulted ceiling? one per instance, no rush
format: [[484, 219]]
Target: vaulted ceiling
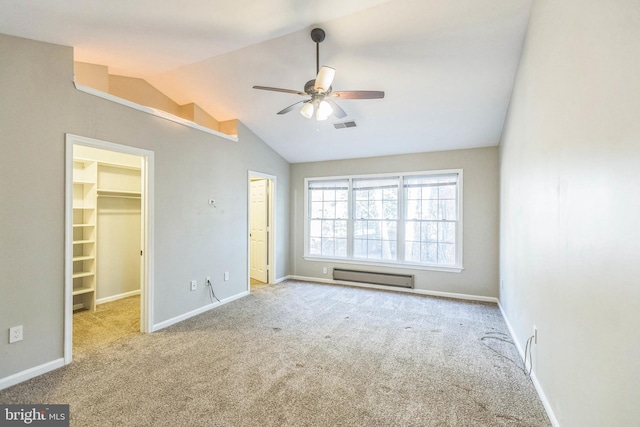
[[447, 67]]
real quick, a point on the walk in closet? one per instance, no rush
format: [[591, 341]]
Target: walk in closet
[[106, 226]]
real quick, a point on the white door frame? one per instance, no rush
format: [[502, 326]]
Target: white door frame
[[146, 270], [271, 212]]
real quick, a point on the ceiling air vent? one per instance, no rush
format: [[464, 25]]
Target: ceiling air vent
[[344, 125]]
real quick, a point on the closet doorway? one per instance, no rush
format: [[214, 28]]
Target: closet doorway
[[261, 229], [108, 229]]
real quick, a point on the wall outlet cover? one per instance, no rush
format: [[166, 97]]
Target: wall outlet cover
[[15, 334]]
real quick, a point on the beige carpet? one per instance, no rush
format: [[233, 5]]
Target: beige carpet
[[110, 322], [302, 354]]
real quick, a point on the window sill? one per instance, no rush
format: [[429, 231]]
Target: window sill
[[405, 266]]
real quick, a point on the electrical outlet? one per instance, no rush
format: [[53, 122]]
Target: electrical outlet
[[207, 281], [324, 270], [194, 285], [15, 334], [226, 276], [535, 334]]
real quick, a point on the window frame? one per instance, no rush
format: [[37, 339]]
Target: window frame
[[400, 261]]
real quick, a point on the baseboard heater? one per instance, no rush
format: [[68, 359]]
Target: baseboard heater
[[374, 278]]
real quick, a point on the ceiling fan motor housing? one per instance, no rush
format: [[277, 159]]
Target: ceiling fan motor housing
[[309, 88]]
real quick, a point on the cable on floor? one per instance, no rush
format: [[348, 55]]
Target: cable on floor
[[499, 336]]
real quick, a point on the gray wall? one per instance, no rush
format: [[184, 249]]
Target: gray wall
[[570, 206], [38, 105], [481, 190]]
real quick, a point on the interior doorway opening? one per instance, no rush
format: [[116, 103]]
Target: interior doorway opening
[[108, 287], [261, 253]]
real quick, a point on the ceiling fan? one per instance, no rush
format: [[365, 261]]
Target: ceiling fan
[[321, 102]]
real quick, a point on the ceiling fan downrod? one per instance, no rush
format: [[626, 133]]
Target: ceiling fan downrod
[[317, 35]]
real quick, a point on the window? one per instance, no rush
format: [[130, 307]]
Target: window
[[375, 218], [328, 214], [431, 217], [408, 219]]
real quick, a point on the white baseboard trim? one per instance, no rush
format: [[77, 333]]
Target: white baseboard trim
[[27, 374], [185, 316], [398, 289], [282, 279], [534, 379], [117, 297]]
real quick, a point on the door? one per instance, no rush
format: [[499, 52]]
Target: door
[[259, 229]]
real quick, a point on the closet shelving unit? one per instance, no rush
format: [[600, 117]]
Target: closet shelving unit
[[94, 179], [84, 233]]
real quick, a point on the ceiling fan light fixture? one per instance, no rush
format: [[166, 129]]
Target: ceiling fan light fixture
[[324, 79], [321, 102], [307, 110], [323, 111]]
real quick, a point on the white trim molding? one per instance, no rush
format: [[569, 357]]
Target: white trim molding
[[534, 379], [27, 374], [152, 111], [197, 311], [117, 297], [398, 289]]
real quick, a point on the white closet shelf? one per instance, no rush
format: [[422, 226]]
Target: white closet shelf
[[83, 225], [82, 242], [81, 290], [105, 192], [83, 258], [84, 207], [82, 274]]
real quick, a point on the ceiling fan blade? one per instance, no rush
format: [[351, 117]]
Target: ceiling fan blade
[[290, 107], [277, 89], [337, 110], [358, 94], [324, 79]]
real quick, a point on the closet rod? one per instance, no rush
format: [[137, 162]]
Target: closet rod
[[119, 197]]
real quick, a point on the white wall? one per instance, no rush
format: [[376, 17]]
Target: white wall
[[480, 216], [118, 247], [38, 105], [570, 206]]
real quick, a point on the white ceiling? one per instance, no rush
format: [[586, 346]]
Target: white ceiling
[[447, 66]]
